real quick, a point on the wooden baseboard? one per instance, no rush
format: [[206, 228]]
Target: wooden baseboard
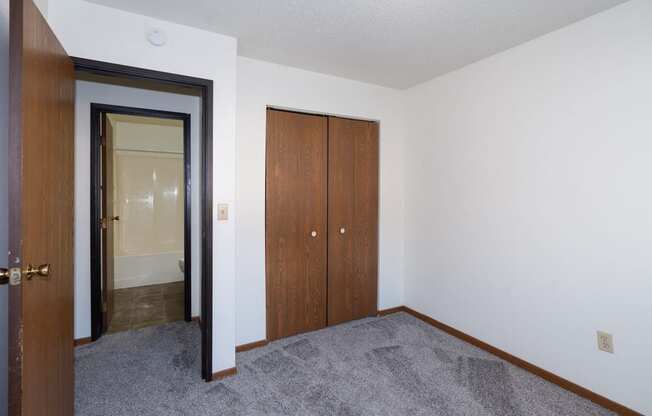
[[383, 312], [82, 341], [220, 375], [538, 371], [251, 345]]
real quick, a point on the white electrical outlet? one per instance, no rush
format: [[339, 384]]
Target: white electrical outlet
[[605, 342]]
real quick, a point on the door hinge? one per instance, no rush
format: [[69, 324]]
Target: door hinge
[[104, 307], [104, 223]]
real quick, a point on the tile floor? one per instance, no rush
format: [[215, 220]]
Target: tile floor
[[138, 307]]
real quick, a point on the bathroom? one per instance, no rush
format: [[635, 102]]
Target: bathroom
[[145, 211]]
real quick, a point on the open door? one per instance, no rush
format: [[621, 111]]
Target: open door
[[108, 223], [41, 218]]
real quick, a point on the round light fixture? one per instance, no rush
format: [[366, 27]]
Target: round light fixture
[[157, 37]]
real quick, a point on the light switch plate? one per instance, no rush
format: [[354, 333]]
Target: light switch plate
[[222, 212], [605, 342]]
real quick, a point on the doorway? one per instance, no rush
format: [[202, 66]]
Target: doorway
[[202, 219], [141, 201]]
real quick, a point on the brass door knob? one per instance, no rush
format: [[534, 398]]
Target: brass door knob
[[41, 271], [116, 218]]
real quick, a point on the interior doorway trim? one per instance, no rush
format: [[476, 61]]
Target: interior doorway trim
[[97, 110], [205, 89]]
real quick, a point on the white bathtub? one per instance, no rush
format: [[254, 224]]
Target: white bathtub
[[149, 269]]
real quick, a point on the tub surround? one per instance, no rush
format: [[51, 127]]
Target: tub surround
[[149, 198], [147, 269]]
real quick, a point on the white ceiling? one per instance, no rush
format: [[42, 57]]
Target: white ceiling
[[396, 43]]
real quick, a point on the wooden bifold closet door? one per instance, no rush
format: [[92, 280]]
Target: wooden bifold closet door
[[296, 214], [321, 221], [352, 219]]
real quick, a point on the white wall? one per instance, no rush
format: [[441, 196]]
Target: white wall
[[261, 84], [4, 230], [96, 32], [91, 92], [528, 207]]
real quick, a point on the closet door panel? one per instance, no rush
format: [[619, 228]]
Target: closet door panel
[[296, 215], [352, 219]]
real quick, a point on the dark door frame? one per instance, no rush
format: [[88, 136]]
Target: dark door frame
[[204, 88], [98, 111]]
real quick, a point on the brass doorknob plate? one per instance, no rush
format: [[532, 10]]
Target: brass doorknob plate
[[13, 276], [42, 271]]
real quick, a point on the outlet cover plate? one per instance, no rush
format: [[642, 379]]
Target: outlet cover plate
[[222, 212], [605, 342]]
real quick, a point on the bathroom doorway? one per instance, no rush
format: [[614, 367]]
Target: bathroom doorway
[[141, 208]]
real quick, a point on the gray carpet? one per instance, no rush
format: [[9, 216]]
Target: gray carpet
[[395, 365]]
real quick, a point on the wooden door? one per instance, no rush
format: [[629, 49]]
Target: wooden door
[[108, 223], [296, 209], [41, 214], [352, 219]]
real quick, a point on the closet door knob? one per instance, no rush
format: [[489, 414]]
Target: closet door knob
[[313, 234], [342, 230]]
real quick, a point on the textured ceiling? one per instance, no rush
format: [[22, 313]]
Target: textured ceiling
[[396, 43]]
